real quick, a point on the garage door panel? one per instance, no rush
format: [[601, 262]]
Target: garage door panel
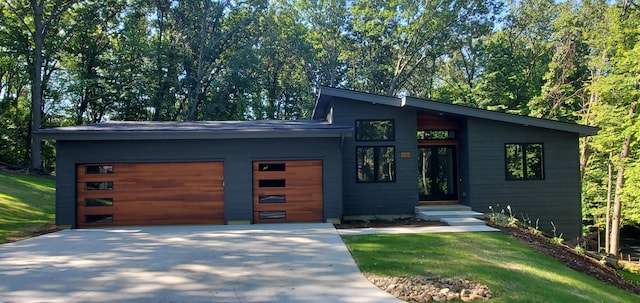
[[291, 191], [151, 194]]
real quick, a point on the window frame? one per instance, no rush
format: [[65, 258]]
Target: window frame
[[393, 130], [524, 162], [376, 164]]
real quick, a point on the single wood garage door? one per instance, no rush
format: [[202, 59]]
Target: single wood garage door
[[287, 191], [150, 194]]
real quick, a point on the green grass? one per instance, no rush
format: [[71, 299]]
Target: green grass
[[513, 272], [26, 205]]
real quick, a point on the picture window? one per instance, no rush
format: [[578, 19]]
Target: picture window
[[524, 161], [375, 163]]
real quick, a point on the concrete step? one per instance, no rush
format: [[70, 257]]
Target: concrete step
[[440, 214], [463, 221], [421, 208]]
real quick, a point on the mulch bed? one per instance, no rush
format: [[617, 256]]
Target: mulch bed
[[407, 222]]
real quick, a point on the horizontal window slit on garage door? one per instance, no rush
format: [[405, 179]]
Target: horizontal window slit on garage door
[[271, 167], [98, 169], [273, 214], [272, 199], [90, 202], [98, 185], [272, 183], [105, 218]]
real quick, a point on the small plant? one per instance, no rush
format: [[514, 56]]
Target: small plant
[[513, 221], [579, 250], [603, 260], [556, 239], [536, 229], [500, 219]]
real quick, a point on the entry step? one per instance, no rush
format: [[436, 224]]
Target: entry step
[[422, 208], [463, 221], [440, 214]]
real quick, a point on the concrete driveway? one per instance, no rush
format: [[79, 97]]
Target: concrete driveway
[[248, 263]]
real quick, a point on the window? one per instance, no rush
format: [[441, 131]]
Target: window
[[375, 163], [106, 218], [98, 169], [271, 167], [272, 183], [375, 130], [272, 199], [89, 202], [524, 161], [274, 214], [98, 185], [436, 134]]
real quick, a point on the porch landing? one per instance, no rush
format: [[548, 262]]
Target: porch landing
[[453, 215]]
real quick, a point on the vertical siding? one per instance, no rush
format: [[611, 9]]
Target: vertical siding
[[556, 198], [399, 197], [237, 156]]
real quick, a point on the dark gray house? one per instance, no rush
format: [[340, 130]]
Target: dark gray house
[[361, 155]]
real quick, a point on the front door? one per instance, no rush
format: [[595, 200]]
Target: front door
[[437, 179]]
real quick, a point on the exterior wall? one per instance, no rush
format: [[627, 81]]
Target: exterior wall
[[556, 198], [237, 156], [371, 199]]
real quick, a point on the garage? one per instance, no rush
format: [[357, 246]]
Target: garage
[[120, 194], [287, 191]]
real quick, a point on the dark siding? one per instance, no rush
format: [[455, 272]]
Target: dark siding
[[237, 156], [556, 198], [463, 164], [398, 197]]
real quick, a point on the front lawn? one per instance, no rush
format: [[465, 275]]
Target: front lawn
[[513, 272], [27, 205]]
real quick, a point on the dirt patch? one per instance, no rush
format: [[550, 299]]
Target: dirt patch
[[32, 232], [407, 222]]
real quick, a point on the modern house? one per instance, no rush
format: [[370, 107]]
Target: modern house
[[361, 155]]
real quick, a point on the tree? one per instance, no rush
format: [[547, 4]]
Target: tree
[[41, 22]]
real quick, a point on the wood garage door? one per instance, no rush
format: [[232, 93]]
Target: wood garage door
[[287, 191], [150, 194]]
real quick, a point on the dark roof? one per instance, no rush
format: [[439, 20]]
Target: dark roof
[[147, 130], [328, 94]]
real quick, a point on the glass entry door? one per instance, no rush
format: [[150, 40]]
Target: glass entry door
[[437, 173]]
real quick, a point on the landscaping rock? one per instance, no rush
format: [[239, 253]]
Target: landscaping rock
[[431, 289]]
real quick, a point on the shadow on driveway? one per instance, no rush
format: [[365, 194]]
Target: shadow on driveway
[[239, 263]]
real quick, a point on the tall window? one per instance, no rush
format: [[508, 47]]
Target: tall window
[[375, 130], [524, 161], [376, 163]]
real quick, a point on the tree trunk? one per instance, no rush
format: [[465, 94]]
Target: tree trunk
[[584, 142], [614, 241], [36, 85], [607, 230]]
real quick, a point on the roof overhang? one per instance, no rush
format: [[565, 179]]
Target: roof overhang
[[202, 130], [328, 94]]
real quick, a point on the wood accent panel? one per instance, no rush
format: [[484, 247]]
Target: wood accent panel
[[303, 191], [156, 194], [435, 122]]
